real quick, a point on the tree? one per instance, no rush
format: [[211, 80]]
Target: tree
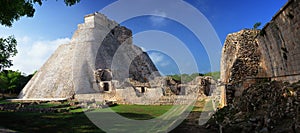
[[9, 79], [184, 78], [7, 50], [256, 25], [194, 75], [214, 75], [13, 81], [12, 10]]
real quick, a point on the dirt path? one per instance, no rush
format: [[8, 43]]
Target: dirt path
[[190, 125]]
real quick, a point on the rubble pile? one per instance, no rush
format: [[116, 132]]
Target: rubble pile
[[263, 107]]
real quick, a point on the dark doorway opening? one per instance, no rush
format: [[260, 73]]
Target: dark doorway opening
[[105, 75], [143, 89], [180, 91], [106, 86]]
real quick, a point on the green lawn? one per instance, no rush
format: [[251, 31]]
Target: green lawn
[[47, 122], [141, 112], [74, 120]]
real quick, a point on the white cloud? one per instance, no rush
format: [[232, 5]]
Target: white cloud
[[165, 63], [144, 49], [24, 40], [159, 18], [159, 59], [33, 54]]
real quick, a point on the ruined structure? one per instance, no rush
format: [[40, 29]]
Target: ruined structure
[[255, 68], [272, 53], [102, 64], [240, 60], [279, 42], [99, 58]]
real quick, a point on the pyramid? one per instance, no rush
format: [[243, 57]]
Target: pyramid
[[100, 51]]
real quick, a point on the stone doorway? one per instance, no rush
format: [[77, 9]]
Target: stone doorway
[[143, 89], [105, 86]]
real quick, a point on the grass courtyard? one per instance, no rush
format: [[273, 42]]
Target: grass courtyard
[[74, 120]]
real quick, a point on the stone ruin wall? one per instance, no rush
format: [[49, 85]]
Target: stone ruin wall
[[273, 53], [240, 59], [280, 44]]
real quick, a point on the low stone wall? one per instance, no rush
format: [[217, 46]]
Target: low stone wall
[[32, 100], [33, 107], [97, 97]]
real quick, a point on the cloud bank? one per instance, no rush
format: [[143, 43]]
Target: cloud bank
[[32, 54]]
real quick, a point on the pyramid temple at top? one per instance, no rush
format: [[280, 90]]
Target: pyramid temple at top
[[100, 55]]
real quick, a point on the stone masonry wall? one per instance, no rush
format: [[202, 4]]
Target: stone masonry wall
[[272, 53], [280, 44], [240, 59]]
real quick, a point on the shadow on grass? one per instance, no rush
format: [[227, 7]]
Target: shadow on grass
[[47, 122], [136, 116], [56, 122], [134, 122], [77, 121]]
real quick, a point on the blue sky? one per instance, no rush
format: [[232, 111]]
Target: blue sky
[[54, 24]]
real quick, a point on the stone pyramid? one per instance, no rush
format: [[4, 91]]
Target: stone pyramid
[[98, 44]]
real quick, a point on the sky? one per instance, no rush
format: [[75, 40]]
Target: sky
[[178, 39]]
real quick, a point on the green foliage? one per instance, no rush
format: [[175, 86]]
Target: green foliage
[[13, 81], [12, 10], [71, 2], [7, 50], [262, 32], [256, 25], [194, 75], [175, 77], [77, 121], [184, 78], [214, 75], [141, 112]]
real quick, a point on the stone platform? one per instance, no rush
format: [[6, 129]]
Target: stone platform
[[38, 100]]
